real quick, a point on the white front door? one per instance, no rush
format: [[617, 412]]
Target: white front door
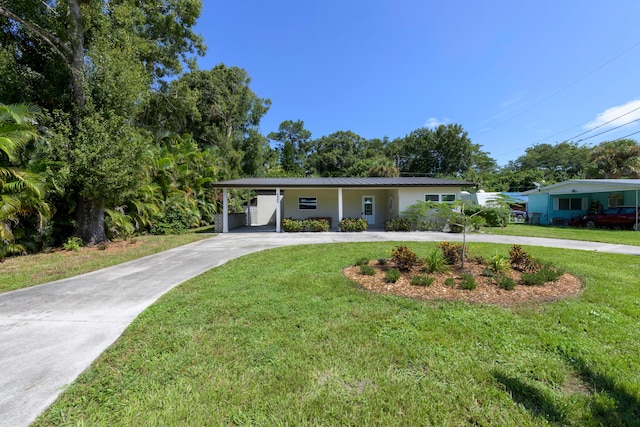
[[368, 209]]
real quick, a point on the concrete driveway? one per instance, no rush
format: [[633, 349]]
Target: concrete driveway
[[50, 333]]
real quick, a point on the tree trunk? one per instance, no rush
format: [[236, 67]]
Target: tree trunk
[[90, 221]]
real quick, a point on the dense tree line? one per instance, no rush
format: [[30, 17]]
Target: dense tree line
[[108, 128]]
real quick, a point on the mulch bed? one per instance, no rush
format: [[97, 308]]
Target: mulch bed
[[486, 292]]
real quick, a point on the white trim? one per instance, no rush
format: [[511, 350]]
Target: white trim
[[278, 213], [340, 207]]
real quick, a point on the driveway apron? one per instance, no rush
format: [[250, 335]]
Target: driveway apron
[[50, 333]]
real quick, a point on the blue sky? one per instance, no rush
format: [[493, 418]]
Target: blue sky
[[512, 73]]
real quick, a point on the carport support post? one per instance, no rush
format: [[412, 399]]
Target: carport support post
[[225, 210], [339, 205], [277, 210]]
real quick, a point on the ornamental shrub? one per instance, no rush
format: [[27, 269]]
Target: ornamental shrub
[[353, 224], [392, 275], [367, 270], [468, 282], [452, 252], [398, 224], [505, 282], [435, 262], [291, 225], [421, 280], [403, 257]]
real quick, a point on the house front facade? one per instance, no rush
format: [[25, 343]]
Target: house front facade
[[558, 204], [375, 199]]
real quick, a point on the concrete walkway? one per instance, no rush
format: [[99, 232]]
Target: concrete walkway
[[50, 333]]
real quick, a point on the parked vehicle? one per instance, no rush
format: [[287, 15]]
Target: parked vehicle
[[518, 214], [620, 216]]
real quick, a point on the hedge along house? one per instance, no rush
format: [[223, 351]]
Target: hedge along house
[[558, 204], [374, 199]]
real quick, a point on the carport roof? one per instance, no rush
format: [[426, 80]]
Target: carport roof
[[263, 183]]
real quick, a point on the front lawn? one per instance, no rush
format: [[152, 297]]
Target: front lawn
[[282, 338], [622, 237], [23, 271]]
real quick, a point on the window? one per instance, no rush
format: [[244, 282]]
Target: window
[[307, 203], [448, 198], [616, 200], [566, 204]]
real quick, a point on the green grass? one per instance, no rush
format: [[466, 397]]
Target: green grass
[[24, 271], [280, 338], [622, 237]]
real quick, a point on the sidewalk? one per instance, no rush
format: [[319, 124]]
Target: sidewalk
[[50, 333]]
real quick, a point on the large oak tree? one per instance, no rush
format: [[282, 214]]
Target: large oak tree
[[95, 61]]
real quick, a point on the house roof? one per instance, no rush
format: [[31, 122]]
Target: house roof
[[262, 183], [587, 186]]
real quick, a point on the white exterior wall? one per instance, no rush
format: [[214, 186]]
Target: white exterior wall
[[327, 204], [266, 210], [351, 204], [411, 195]]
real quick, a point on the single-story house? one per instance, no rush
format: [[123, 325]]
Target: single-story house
[[375, 199], [560, 203]]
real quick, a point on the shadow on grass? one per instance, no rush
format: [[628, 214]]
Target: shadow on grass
[[531, 398], [622, 407], [609, 403]]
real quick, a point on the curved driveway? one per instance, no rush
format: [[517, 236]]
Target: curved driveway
[[50, 333]]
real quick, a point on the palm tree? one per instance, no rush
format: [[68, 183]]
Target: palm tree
[[21, 192]]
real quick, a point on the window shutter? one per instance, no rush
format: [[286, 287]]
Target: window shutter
[[585, 203]]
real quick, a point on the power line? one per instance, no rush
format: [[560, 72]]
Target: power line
[[606, 123], [609, 130]]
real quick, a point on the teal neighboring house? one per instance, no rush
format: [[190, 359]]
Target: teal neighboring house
[[558, 204]]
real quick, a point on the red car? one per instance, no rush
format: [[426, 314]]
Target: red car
[[620, 216]]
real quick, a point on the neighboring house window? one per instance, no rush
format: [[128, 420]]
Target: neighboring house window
[[307, 203], [448, 198], [567, 204], [616, 200]]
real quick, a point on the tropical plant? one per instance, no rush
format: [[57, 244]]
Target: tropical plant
[[22, 192]]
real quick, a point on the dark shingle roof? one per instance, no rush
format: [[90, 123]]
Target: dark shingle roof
[[258, 183]]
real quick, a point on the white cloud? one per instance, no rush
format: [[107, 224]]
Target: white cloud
[[434, 122], [625, 113]]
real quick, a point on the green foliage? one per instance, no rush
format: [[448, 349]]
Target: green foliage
[[367, 270], [174, 221], [450, 281], [487, 272], [72, 244], [291, 225], [444, 151], [403, 257], [118, 224], [522, 261], [23, 209], [293, 142], [353, 224], [422, 280], [544, 275], [505, 282], [382, 261], [435, 262], [398, 224], [452, 252], [392, 275], [468, 282], [499, 263]]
